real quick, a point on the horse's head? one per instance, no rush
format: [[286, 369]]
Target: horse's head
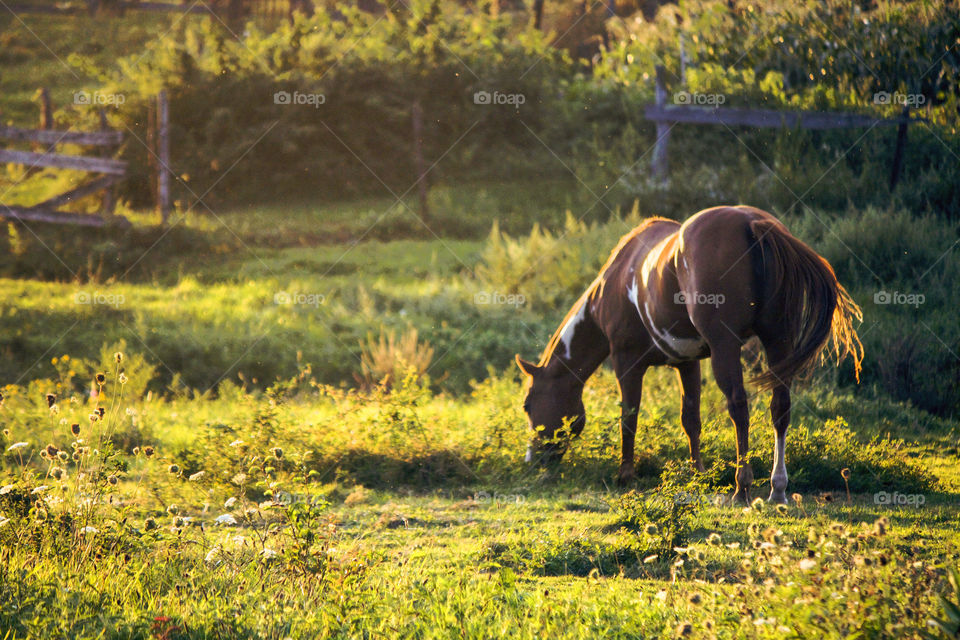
[[554, 408]]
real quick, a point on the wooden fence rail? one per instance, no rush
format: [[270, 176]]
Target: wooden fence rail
[[111, 170], [666, 117]]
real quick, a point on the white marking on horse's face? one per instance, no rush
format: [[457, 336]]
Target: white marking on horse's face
[[685, 347], [569, 329]]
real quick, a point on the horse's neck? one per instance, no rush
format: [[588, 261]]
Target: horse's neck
[[578, 347]]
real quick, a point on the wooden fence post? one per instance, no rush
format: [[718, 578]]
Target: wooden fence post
[[900, 148], [109, 197], [663, 130], [419, 164], [163, 156]]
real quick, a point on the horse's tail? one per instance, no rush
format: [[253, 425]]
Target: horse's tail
[[802, 291]]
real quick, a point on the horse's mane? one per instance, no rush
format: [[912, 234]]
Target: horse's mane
[[597, 284]]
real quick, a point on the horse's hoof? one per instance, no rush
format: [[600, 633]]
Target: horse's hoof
[[778, 498], [740, 498]]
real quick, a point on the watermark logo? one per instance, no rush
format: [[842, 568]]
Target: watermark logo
[[299, 98], [484, 497], [898, 297], [98, 98], [897, 98], [699, 99], [299, 298], [485, 97], [495, 297], [897, 499], [696, 297], [285, 499], [97, 298]]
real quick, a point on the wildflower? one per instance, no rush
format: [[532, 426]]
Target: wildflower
[[76, 456], [174, 469], [230, 502], [782, 509], [714, 539], [808, 564], [149, 524], [101, 378], [56, 472], [75, 429], [148, 451], [122, 379], [113, 480], [6, 432], [89, 529], [136, 451], [196, 476], [5, 489], [747, 564], [211, 557], [237, 443], [54, 409], [173, 509], [18, 445], [277, 453], [94, 416], [51, 400], [226, 519], [40, 489], [52, 451], [651, 529], [63, 456], [650, 559], [178, 522], [101, 411], [757, 504], [684, 629], [118, 357], [268, 553]]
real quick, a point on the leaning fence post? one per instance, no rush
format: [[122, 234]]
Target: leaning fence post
[[663, 130], [900, 148], [163, 156], [109, 197]]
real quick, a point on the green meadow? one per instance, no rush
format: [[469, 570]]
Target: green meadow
[[293, 410]]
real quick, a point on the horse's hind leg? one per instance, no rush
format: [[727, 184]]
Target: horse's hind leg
[[689, 374], [780, 414], [725, 358]]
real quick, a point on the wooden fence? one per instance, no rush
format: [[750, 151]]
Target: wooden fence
[[227, 10], [666, 117], [110, 170]]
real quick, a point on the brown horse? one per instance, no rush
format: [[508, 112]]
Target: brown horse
[[673, 294]]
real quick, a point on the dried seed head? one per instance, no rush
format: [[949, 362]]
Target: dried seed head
[[797, 498], [695, 598], [113, 480], [56, 472], [149, 524], [51, 399], [122, 379], [76, 455], [845, 473], [148, 451], [101, 411], [118, 357], [44, 454], [684, 629], [136, 451], [94, 416], [782, 509], [52, 451], [714, 539], [173, 510], [757, 504], [101, 378], [277, 453], [173, 469], [75, 429], [63, 456], [651, 529]]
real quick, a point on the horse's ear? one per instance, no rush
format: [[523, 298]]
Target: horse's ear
[[527, 367]]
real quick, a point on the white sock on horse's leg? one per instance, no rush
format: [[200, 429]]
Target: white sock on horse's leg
[[778, 479]]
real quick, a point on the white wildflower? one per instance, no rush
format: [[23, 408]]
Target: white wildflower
[[230, 502], [227, 519], [18, 445]]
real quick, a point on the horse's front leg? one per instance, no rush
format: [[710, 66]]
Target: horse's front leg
[[629, 371]]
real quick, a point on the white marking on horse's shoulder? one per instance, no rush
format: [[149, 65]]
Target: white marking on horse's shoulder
[[570, 328], [633, 293]]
